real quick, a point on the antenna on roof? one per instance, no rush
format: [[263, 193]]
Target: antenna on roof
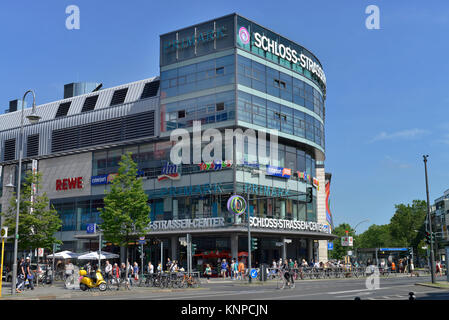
[[98, 87]]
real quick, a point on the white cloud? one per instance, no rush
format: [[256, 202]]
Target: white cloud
[[398, 135]]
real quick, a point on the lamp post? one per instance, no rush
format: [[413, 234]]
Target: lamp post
[[366, 220], [429, 219], [32, 118]]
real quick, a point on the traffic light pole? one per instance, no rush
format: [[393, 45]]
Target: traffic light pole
[[429, 219], [249, 243]]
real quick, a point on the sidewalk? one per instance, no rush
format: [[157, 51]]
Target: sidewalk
[[438, 284], [57, 291]]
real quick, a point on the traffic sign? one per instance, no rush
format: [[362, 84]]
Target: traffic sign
[[40, 252], [330, 246], [288, 240], [141, 240], [4, 232], [347, 241], [279, 244], [254, 273], [91, 228]]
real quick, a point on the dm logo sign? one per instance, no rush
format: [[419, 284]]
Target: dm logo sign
[[169, 171], [244, 35], [237, 205]]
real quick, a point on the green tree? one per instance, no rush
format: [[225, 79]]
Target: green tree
[[126, 214], [37, 227], [339, 251], [376, 236], [407, 224]]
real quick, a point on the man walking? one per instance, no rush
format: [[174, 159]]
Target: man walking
[[29, 274], [21, 275]]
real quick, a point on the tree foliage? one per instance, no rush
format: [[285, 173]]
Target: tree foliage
[[377, 236], [126, 213], [37, 229]]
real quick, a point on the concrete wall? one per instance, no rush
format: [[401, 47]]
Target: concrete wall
[[321, 211]]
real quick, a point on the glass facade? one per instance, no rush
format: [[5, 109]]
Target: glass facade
[[77, 213]]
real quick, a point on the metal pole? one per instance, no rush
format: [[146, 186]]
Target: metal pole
[[1, 267], [249, 243], [141, 256], [53, 268], [16, 236], [99, 251], [162, 255], [429, 218]]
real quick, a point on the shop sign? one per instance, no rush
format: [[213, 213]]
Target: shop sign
[[296, 225], [201, 38], [107, 178], [265, 190], [169, 171], [200, 223], [279, 172], [289, 54], [215, 165], [202, 189], [69, 184], [236, 205]]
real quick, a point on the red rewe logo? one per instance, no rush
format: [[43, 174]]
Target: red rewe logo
[[69, 184]]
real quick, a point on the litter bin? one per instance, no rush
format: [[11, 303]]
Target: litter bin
[[263, 272]]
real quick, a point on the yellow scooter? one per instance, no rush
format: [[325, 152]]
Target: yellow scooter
[[87, 282]]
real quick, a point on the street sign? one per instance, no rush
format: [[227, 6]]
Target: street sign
[[142, 240], [40, 252], [349, 253], [279, 244], [254, 273], [330, 246], [91, 228], [288, 240], [393, 249], [4, 232], [347, 241]]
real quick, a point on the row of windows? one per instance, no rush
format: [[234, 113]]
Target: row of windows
[[272, 115], [278, 84], [150, 90], [207, 109], [150, 157], [200, 76], [77, 214]]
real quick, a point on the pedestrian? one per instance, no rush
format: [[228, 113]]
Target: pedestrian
[[116, 275], [136, 272], [208, 272], [235, 269], [411, 268], [108, 272], [129, 267], [241, 270], [21, 275], [159, 267], [232, 269], [29, 273], [150, 268], [287, 273], [224, 268], [168, 264], [438, 269]]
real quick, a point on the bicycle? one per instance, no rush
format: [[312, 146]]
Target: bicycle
[[282, 282]]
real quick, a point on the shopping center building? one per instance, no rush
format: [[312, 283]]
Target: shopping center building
[[226, 73]]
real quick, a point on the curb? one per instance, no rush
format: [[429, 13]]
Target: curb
[[430, 285]]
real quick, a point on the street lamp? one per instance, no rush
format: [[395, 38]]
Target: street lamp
[[429, 219], [366, 220], [32, 118]]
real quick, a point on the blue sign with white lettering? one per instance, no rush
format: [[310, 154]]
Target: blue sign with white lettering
[[91, 228], [279, 172], [393, 249], [141, 240], [254, 273], [330, 246]]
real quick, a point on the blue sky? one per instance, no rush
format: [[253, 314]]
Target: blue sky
[[387, 95]]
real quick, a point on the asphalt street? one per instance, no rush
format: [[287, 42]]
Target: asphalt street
[[396, 288]]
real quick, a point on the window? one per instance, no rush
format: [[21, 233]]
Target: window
[[219, 70], [63, 109], [10, 150], [119, 96], [32, 145], [219, 106], [181, 114], [89, 103], [150, 89]]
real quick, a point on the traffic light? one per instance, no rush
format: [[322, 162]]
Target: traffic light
[[193, 248], [429, 237], [253, 244], [56, 247], [309, 195], [102, 244]]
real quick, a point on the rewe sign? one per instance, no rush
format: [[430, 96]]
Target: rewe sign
[[69, 184]]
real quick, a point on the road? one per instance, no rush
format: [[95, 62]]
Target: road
[[337, 289]]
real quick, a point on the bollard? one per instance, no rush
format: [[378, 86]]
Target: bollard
[[411, 296]]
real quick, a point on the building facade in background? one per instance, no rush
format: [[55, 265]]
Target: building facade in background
[[227, 73]]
